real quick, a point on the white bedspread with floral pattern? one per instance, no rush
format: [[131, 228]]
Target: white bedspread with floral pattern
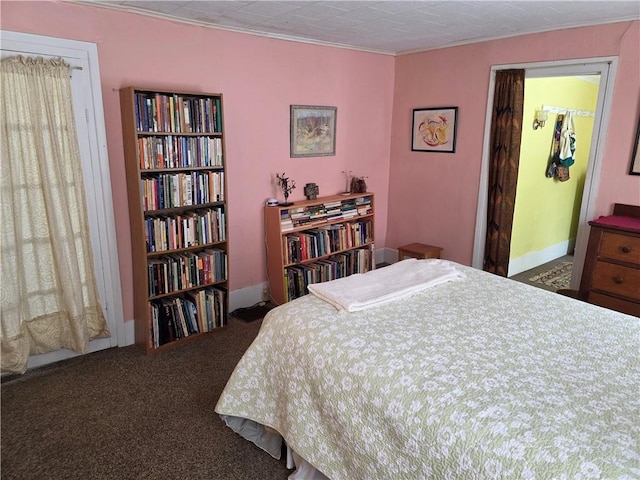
[[479, 378]]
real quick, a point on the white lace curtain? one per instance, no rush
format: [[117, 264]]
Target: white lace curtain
[[48, 290]]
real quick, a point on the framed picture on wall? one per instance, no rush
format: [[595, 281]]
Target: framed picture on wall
[[635, 158], [313, 131], [434, 129]]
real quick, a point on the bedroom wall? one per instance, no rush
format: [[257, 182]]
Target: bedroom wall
[[547, 210], [441, 190], [419, 196], [259, 78]]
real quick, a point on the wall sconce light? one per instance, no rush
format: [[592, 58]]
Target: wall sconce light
[[540, 119]]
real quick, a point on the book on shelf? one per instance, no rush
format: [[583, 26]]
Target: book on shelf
[[195, 300], [172, 190], [211, 308], [286, 225], [164, 328], [173, 319], [299, 277], [157, 112], [180, 316], [175, 272], [175, 151], [218, 115], [325, 240], [191, 315]]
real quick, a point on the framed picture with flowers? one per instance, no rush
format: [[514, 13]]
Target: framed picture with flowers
[[313, 131]]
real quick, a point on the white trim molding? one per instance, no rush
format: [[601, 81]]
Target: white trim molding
[[606, 68], [89, 112]]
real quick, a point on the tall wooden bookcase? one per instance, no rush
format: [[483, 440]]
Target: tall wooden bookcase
[[175, 166], [318, 240]]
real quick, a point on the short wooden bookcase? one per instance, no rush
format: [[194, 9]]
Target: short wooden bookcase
[[318, 240]]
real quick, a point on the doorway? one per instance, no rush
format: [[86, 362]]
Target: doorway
[[605, 68], [547, 208], [88, 109]]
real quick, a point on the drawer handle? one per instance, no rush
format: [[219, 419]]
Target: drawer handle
[[618, 280], [625, 249]]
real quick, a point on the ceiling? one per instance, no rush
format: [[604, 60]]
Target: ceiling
[[388, 27]]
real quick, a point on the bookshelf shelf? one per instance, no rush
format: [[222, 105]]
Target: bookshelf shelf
[[317, 240], [150, 171], [197, 287], [193, 248], [176, 185], [146, 133]]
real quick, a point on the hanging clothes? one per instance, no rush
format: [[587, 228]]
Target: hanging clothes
[[567, 141], [563, 149], [552, 168], [567, 147]]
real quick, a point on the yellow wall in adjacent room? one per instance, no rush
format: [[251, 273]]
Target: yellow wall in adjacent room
[[547, 210]]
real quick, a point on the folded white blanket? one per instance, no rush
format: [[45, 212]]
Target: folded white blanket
[[366, 290]]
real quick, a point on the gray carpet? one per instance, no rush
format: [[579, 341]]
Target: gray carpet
[[120, 414]]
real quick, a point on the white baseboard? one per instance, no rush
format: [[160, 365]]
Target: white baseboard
[[534, 259], [246, 297], [386, 255], [129, 332], [42, 359]]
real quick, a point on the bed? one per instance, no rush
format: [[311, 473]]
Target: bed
[[475, 377]]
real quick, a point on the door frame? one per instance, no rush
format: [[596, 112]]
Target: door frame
[[89, 114], [604, 66]]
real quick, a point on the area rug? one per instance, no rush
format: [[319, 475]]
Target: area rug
[[559, 276]]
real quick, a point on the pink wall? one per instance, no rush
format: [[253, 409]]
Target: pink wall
[[433, 196], [259, 79], [428, 197]]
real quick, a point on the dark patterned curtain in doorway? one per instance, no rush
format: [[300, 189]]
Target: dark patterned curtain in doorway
[[506, 130]]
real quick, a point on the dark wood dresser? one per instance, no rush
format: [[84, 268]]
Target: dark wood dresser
[[611, 275]]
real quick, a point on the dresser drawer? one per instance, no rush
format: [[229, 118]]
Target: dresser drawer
[[620, 247], [616, 279], [624, 306]]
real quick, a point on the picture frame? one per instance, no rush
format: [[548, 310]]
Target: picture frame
[[313, 131], [634, 168], [434, 129]]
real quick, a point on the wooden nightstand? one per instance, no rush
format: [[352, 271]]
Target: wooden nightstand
[[418, 250]]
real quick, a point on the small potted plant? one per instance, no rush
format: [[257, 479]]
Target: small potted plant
[[287, 185], [347, 178]]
